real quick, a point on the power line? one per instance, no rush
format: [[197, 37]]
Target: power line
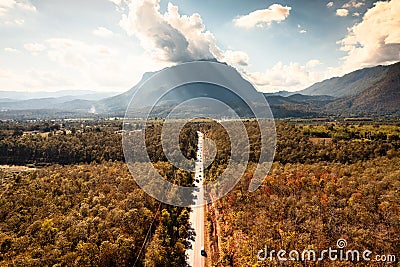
[[147, 235]]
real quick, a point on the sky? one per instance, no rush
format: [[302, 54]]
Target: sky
[[107, 45]]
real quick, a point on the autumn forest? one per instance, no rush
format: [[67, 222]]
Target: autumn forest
[[68, 198]]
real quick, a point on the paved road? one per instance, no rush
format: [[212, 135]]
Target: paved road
[[197, 214]]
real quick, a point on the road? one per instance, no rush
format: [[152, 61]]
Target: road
[[195, 259]]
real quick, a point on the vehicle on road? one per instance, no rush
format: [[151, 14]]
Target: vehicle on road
[[203, 252]]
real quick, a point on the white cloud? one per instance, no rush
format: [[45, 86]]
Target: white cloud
[[73, 64], [342, 12], [10, 50], [169, 37], [291, 77], [19, 21], [330, 4], [26, 5], [6, 6], [301, 30], [34, 48], [14, 22], [313, 63], [236, 58], [376, 39], [353, 4], [97, 66], [33, 80], [76, 54], [260, 18], [174, 38], [44, 79], [103, 32], [356, 14]]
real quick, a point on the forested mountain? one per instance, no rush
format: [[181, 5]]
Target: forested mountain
[[380, 97], [173, 96], [350, 84], [298, 105], [367, 92]]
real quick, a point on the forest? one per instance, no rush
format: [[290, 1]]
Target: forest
[[76, 204], [87, 215], [101, 141], [310, 206]]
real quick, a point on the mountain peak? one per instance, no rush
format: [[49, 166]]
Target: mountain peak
[[120, 102], [209, 60], [148, 74]]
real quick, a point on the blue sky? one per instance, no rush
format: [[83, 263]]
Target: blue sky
[[106, 45]]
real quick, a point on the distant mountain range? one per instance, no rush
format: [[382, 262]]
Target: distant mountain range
[[66, 94], [367, 92], [380, 96], [350, 84], [66, 100]]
